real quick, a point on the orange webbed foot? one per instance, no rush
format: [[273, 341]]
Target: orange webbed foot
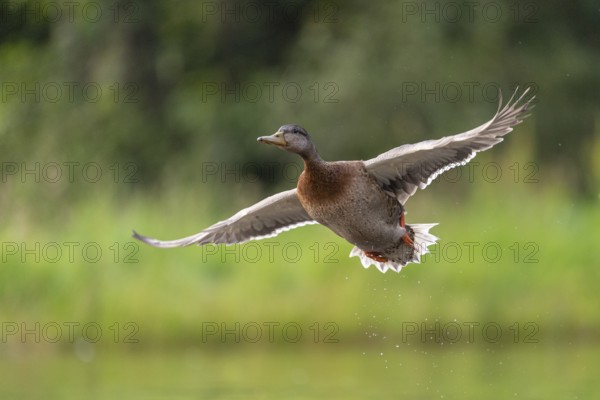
[[406, 239]]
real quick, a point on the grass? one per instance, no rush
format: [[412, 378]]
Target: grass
[[545, 274]]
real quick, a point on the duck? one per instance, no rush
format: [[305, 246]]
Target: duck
[[360, 201]]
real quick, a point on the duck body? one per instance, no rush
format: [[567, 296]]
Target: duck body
[[361, 201], [344, 197]]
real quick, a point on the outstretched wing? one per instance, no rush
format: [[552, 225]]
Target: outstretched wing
[[403, 169], [266, 218]]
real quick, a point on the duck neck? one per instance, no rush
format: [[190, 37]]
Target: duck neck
[[312, 159]]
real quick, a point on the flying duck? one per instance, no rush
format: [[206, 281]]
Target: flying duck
[[361, 201]]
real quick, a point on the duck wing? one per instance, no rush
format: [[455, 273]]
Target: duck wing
[[402, 170], [266, 218]]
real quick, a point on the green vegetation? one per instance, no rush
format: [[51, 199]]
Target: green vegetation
[[147, 119], [542, 274]]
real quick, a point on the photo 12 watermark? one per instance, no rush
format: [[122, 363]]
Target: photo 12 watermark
[[252, 12], [272, 332], [16, 13], [55, 172], [461, 12], [486, 252], [454, 91], [68, 332], [272, 252], [69, 92], [68, 252], [249, 172], [469, 332], [269, 92]]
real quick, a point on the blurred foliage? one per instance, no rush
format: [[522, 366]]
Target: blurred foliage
[[158, 62]]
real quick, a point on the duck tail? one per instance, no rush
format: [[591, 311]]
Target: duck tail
[[422, 239]]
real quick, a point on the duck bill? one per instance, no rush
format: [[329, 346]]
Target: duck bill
[[276, 139]]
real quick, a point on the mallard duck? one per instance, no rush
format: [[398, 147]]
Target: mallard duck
[[361, 201]]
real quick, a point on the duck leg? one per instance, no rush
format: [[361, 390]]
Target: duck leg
[[406, 239]]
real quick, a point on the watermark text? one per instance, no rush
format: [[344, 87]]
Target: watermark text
[[269, 332], [68, 252], [468, 332], [68, 331]]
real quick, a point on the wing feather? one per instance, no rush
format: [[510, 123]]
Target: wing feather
[[404, 169], [266, 218]]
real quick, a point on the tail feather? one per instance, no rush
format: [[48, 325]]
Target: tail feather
[[422, 240]]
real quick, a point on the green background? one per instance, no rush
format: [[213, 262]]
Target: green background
[[121, 115]]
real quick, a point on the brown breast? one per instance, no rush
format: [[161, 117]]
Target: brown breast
[[326, 182]]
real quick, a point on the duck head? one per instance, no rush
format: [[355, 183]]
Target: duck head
[[292, 138]]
